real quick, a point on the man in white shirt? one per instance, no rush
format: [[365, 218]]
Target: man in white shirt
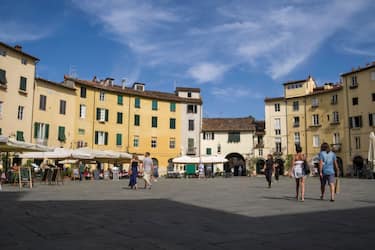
[[148, 167]]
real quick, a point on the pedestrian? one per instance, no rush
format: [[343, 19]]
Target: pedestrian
[[201, 171], [240, 170], [327, 166], [277, 170], [147, 168], [269, 168], [133, 171], [81, 170], [298, 172], [155, 173]]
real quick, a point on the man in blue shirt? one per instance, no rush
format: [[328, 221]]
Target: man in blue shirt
[[327, 166]]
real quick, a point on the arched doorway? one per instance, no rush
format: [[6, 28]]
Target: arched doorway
[[259, 165], [341, 166], [236, 163], [357, 165]]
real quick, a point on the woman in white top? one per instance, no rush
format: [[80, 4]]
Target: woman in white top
[[298, 172]]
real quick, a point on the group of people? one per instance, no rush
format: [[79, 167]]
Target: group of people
[[327, 168], [146, 168]]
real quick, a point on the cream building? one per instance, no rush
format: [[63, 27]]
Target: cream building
[[53, 114], [17, 74]]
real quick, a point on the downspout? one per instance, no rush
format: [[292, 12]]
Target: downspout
[[93, 122], [128, 145], [305, 129], [32, 105]]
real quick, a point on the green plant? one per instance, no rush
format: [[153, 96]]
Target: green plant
[[288, 162]]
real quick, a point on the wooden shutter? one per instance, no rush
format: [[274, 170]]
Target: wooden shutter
[[106, 138], [36, 126], [47, 131], [96, 137], [97, 114], [106, 115]]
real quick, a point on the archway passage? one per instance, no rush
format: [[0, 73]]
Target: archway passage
[[260, 165], [236, 164], [280, 164], [358, 164]]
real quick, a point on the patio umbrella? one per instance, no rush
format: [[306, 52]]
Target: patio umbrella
[[105, 155], [213, 159], [185, 159], [12, 145], [371, 150], [57, 153]]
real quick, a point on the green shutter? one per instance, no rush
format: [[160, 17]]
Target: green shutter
[[96, 137], [154, 105], [172, 123], [106, 138], [119, 117], [137, 103], [3, 79], [61, 136], [47, 131], [208, 151], [106, 115], [118, 139], [36, 126], [19, 136], [154, 122], [23, 83], [120, 99], [97, 114], [173, 107], [137, 119]]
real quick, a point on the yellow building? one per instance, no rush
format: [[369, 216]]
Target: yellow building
[[359, 93], [53, 114], [17, 74], [133, 120]]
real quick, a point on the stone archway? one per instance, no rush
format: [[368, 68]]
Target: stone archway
[[358, 164], [260, 165], [236, 163]]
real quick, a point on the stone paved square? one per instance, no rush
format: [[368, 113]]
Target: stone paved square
[[220, 213]]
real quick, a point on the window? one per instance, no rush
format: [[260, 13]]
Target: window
[[297, 138], [154, 105], [260, 140], [219, 148], [315, 102], [354, 82], [172, 107], [102, 115], [335, 117], [277, 107], [119, 117], [315, 120], [357, 140], [19, 136], [260, 152], [277, 126], [101, 138], [208, 135], [172, 123], [208, 151], [120, 100], [153, 142], [373, 75], [42, 102], [234, 137], [172, 143], [81, 131], [191, 108], [136, 141], [61, 134], [355, 100], [295, 106], [296, 122], [277, 131], [336, 138], [41, 131], [101, 96], [189, 94], [83, 92], [137, 120], [278, 145], [373, 97], [20, 112], [1, 131], [62, 107], [191, 125], [137, 102], [82, 111], [154, 122], [3, 52], [334, 99], [3, 79], [23, 61], [371, 119], [191, 146], [23, 85], [316, 141], [118, 139], [355, 121]]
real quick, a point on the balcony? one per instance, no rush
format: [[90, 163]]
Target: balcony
[[296, 125], [336, 147], [43, 142], [315, 125], [191, 151], [277, 153], [353, 86], [335, 123], [259, 145]]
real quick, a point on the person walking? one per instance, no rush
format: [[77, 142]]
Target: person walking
[[298, 172], [269, 168], [133, 171], [277, 171], [201, 174], [148, 167], [327, 166]]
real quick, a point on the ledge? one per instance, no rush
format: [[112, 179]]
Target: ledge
[[22, 92]]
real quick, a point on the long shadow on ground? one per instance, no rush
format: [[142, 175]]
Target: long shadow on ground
[[165, 224]]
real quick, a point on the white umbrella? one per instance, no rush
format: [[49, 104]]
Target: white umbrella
[[185, 159], [213, 159], [104, 155], [58, 153], [371, 150], [11, 145]]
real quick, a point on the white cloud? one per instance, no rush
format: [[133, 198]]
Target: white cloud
[[207, 72], [12, 31], [237, 92]]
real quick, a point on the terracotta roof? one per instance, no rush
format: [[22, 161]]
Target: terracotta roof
[[296, 81], [359, 69], [321, 90], [228, 124], [18, 51], [185, 89], [129, 91], [62, 85]]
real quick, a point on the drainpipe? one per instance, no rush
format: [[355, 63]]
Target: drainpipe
[[93, 122]]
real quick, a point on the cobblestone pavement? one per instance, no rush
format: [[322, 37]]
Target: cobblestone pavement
[[220, 213]]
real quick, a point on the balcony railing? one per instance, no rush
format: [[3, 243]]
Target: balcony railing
[[191, 151], [336, 147], [43, 142]]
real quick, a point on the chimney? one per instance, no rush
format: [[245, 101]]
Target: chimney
[[94, 79], [18, 47]]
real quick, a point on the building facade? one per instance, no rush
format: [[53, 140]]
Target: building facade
[[17, 74]]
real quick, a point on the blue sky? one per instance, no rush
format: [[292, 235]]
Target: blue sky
[[237, 52]]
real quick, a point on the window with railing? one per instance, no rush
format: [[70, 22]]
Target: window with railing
[[234, 137]]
